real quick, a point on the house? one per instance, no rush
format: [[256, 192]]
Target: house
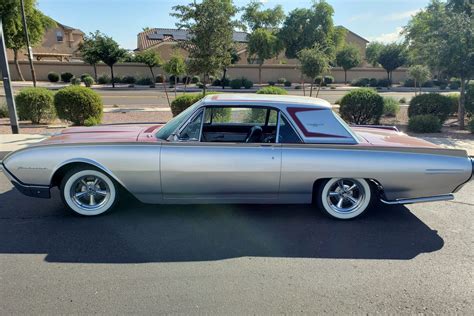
[[165, 41], [59, 43]]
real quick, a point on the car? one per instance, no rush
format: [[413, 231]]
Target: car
[[241, 148]]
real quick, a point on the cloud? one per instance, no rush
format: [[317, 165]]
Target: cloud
[[388, 37], [401, 15]]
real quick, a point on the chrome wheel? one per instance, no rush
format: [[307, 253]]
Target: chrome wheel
[[88, 192], [345, 198]]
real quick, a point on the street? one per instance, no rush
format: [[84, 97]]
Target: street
[[229, 259]]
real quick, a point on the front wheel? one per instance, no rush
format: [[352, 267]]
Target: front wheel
[[344, 198], [88, 191]]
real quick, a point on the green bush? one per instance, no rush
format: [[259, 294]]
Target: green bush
[[373, 82], [172, 77], [118, 79], [470, 98], [409, 83], [431, 103], [328, 80], [3, 111], [216, 83], [186, 80], [103, 79], [360, 82], [454, 83], [128, 79], [247, 84], [271, 83], [281, 80], [428, 84], [159, 79], [362, 106], [144, 81], [298, 87], [195, 79], [91, 121], [383, 83], [319, 81], [88, 81], [76, 81], [425, 123], [53, 76], [402, 101], [200, 85], [35, 104], [225, 82], [272, 90], [391, 107], [338, 101], [287, 83], [470, 126], [183, 102], [66, 76], [454, 97], [78, 105], [236, 83], [85, 75]]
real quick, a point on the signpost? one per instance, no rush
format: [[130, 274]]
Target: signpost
[[7, 84]]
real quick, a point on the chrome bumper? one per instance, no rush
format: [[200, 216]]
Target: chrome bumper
[[437, 198]]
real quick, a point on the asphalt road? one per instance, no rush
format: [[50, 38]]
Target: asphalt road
[[235, 259]]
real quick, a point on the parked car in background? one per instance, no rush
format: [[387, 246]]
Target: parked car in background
[[236, 148]]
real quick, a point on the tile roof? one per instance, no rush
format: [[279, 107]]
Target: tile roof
[[151, 37]]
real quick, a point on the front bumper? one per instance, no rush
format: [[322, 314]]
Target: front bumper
[[37, 191]]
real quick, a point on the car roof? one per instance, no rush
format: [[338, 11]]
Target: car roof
[[264, 99]]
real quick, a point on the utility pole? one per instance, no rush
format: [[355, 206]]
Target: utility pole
[[27, 38], [7, 84]]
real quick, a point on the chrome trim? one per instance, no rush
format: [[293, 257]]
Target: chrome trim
[[293, 127], [277, 136], [386, 127], [446, 197]]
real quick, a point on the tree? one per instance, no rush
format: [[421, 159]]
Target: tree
[[420, 74], [88, 50], [441, 36], [13, 28], [314, 62], [211, 28], [305, 27], [152, 59], [391, 57], [262, 45], [348, 58], [109, 52], [255, 18], [176, 66], [372, 52]]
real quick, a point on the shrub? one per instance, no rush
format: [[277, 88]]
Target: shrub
[[85, 75], [3, 111], [186, 80], [272, 90], [338, 101], [66, 76], [409, 83], [470, 98], [200, 85], [431, 103], [319, 81], [454, 83], [281, 80], [298, 87], [76, 81], [53, 76], [88, 81], [362, 106], [91, 121], [216, 83], [391, 107], [118, 79], [236, 83], [247, 84], [373, 82], [328, 80], [144, 81], [271, 83], [470, 126], [35, 104], [128, 79], [454, 97], [226, 82], [195, 79], [287, 83], [360, 82], [159, 79], [428, 84], [425, 123], [78, 105], [402, 101], [172, 77], [103, 79], [383, 83], [182, 102]]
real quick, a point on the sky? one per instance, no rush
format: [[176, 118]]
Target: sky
[[375, 20]]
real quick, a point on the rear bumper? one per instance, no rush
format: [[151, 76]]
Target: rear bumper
[[37, 191], [445, 197]]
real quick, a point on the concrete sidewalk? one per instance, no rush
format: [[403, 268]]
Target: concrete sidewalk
[[12, 142]]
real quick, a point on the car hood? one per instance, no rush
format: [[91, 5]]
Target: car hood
[[111, 133], [390, 138]]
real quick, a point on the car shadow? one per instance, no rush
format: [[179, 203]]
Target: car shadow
[[137, 233]]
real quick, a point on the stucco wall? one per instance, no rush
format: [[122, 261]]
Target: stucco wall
[[269, 72]]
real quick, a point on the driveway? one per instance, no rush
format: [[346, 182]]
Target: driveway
[[234, 259]]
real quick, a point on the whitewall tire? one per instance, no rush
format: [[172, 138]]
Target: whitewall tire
[[344, 198], [88, 192]]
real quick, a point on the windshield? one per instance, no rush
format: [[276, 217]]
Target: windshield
[[175, 122]]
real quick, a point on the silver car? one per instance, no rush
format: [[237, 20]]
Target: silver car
[[237, 148]]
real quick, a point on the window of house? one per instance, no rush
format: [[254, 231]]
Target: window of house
[[59, 36]]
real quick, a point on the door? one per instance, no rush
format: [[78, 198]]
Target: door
[[195, 169]]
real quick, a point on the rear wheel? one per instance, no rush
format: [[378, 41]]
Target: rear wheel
[[88, 191], [344, 198]]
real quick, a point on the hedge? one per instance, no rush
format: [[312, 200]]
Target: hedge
[[35, 104], [79, 105]]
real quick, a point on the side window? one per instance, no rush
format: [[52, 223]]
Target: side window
[[59, 36], [192, 131], [240, 116], [287, 133]]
